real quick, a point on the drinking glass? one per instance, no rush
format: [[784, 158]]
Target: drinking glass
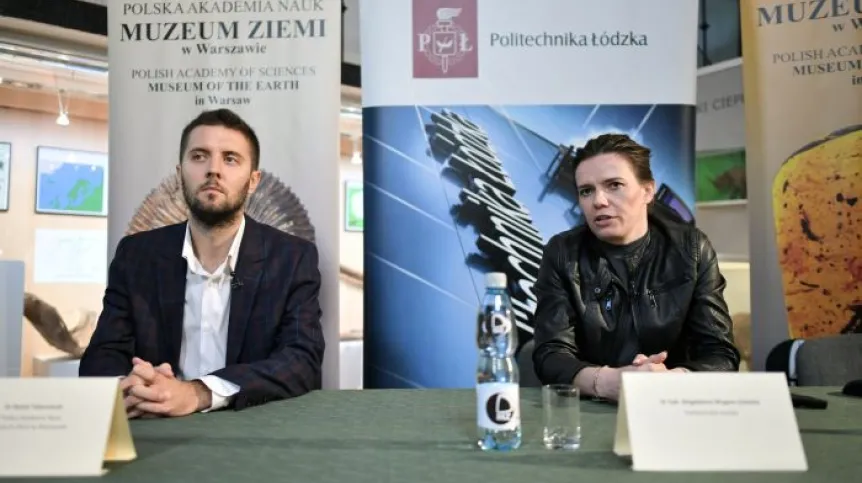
[[562, 416]]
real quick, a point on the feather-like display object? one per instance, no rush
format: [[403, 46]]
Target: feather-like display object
[[273, 203], [50, 325]]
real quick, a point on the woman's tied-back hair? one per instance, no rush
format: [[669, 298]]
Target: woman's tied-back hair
[[637, 155]]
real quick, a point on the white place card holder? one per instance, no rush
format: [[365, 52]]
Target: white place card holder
[[62, 426], [708, 421]]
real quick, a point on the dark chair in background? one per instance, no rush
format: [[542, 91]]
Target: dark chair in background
[[824, 361], [830, 361]]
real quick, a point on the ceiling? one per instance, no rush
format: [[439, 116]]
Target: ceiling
[[24, 68], [39, 61], [41, 58], [46, 58]]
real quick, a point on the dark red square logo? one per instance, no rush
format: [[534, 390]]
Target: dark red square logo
[[445, 40]]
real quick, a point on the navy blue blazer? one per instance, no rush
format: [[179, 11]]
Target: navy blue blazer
[[275, 341]]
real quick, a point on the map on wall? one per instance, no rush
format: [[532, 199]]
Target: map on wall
[[71, 182]]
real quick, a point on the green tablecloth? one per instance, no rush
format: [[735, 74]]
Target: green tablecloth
[[412, 436]]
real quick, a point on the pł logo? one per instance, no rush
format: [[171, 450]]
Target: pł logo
[[445, 39]]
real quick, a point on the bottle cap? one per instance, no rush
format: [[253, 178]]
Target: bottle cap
[[495, 280]]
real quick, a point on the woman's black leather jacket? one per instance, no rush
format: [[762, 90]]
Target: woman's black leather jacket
[[673, 303]]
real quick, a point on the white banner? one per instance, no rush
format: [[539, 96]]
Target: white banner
[[273, 63], [803, 118], [531, 52], [469, 106]]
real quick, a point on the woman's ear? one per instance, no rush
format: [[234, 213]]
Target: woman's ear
[[649, 192]]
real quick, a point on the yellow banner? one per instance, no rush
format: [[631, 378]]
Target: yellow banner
[[802, 70]]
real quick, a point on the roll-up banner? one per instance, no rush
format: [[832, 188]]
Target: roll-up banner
[[272, 62], [803, 107], [470, 109]]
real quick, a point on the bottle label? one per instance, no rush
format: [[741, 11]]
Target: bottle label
[[498, 405], [497, 324]]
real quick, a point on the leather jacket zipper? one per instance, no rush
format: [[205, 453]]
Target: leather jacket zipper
[[651, 296], [633, 296]]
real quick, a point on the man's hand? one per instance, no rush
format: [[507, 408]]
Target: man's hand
[[165, 395], [131, 380]]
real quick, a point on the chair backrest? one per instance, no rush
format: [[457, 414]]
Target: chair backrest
[[782, 358], [525, 365], [829, 361]]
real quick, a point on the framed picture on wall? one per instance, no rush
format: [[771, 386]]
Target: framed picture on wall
[[353, 206], [71, 182], [5, 175], [720, 177]]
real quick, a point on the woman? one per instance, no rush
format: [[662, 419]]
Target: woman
[[632, 289]]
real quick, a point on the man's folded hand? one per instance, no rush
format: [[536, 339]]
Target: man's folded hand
[[132, 380], [156, 391]]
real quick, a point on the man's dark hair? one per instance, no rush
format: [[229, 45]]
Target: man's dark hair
[[637, 155], [228, 119]]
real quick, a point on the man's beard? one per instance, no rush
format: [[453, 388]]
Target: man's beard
[[214, 217]]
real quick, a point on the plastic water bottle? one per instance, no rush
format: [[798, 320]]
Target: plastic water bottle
[[498, 398]]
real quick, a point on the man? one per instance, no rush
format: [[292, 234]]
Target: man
[[219, 311]]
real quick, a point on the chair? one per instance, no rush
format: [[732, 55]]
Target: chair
[[830, 360], [525, 365], [782, 358]]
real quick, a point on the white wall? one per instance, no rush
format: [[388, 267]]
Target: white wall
[[721, 126], [26, 130], [352, 250], [727, 229], [351, 296]]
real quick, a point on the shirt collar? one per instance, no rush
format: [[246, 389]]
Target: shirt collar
[[232, 254]]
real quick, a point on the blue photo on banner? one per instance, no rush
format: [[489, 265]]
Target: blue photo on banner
[[456, 191]]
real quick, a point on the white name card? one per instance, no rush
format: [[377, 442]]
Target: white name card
[[708, 421], [62, 426]]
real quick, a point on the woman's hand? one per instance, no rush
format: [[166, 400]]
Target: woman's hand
[[654, 361], [609, 379], [641, 359]]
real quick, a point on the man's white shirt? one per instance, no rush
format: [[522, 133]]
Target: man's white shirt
[[205, 320]]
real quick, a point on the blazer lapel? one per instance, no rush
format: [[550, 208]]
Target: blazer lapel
[[172, 295], [248, 272]]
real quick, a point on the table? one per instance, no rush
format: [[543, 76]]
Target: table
[[409, 436]]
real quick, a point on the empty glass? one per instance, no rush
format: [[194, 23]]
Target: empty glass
[[562, 416]]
